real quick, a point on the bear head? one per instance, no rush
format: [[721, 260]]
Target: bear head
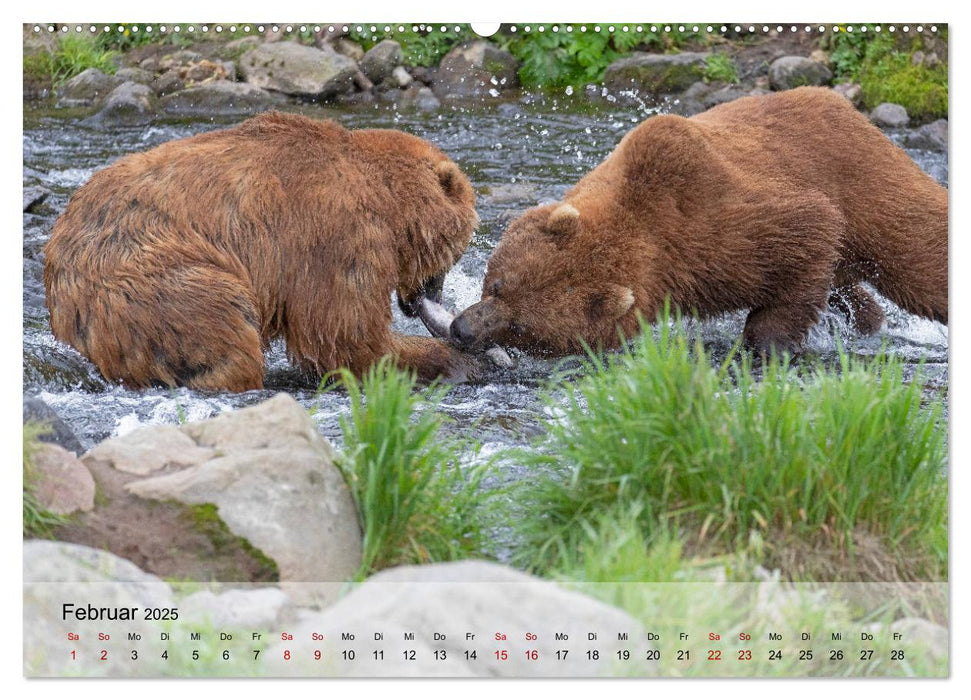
[[433, 207], [552, 285]]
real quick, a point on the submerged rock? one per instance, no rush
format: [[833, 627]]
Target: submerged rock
[[298, 70], [35, 196], [656, 73], [929, 137], [476, 69], [790, 72]]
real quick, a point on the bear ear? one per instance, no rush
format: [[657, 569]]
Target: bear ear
[[618, 300], [449, 177], [564, 221]]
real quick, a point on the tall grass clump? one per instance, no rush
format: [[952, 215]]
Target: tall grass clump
[[415, 502], [837, 472], [38, 522]]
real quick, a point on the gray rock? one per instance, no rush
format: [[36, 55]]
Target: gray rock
[[298, 70], [929, 638], [351, 49], [790, 72], [37, 411], [220, 98], [851, 91], [889, 115], [129, 104], [272, 478], [698, 90], [378, 63], [170, 81], [35, 196], [455, 598], [237, 47], [929, 137], [476, 69], [259, 608], [418, 97], [179, 59], [84, 576], [62, 484], [135, 75], [147, 450], [87, 88], [725, 94], [656, 73], [401, 77]]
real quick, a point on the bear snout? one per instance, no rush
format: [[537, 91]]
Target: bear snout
[[462, 332]]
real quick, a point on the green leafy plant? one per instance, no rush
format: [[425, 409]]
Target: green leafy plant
[[426, 47], [415, 502], [887, 72], [820, 465], [72, 55], [720, 67]]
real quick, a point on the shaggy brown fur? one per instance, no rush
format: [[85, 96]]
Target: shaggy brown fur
[[178, 265], [766, 203]]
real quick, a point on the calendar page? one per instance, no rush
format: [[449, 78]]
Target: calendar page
[[519, 350]]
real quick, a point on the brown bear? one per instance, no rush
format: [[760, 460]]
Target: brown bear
[[766, 203], [177, 266]]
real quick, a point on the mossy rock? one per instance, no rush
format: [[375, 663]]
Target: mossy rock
[[656, 73]]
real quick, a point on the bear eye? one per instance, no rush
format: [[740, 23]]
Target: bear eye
[[496, 288]]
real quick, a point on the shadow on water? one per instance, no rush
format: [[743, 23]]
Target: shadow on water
[[517, 154]]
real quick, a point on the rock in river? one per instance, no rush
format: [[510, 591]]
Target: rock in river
[[298, 70]]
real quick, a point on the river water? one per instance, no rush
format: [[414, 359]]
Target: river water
[[517, 154]]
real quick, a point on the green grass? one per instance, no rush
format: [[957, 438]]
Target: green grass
[[38, 522], [836, 473], [416, 504], [720, 66], [883, 65]]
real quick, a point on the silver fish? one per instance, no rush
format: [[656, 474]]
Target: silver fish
[[438, 321]]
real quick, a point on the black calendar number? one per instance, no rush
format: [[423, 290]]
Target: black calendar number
[[775, 654], [896, 654], [684, 654], [835, 654], [805, 654], [161, 613], [653, 655], [866, 654]]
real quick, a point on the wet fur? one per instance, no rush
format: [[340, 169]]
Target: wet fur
[[765, 203], [177, 266]]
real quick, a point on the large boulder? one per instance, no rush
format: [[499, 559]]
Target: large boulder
[[379, 62], [298, 70], [476, 69], [219, 98], [61, 483], [89, 87], [268, 472], [452, 600], [129, 104], [83, 576], [790, 72], [656, 73]]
